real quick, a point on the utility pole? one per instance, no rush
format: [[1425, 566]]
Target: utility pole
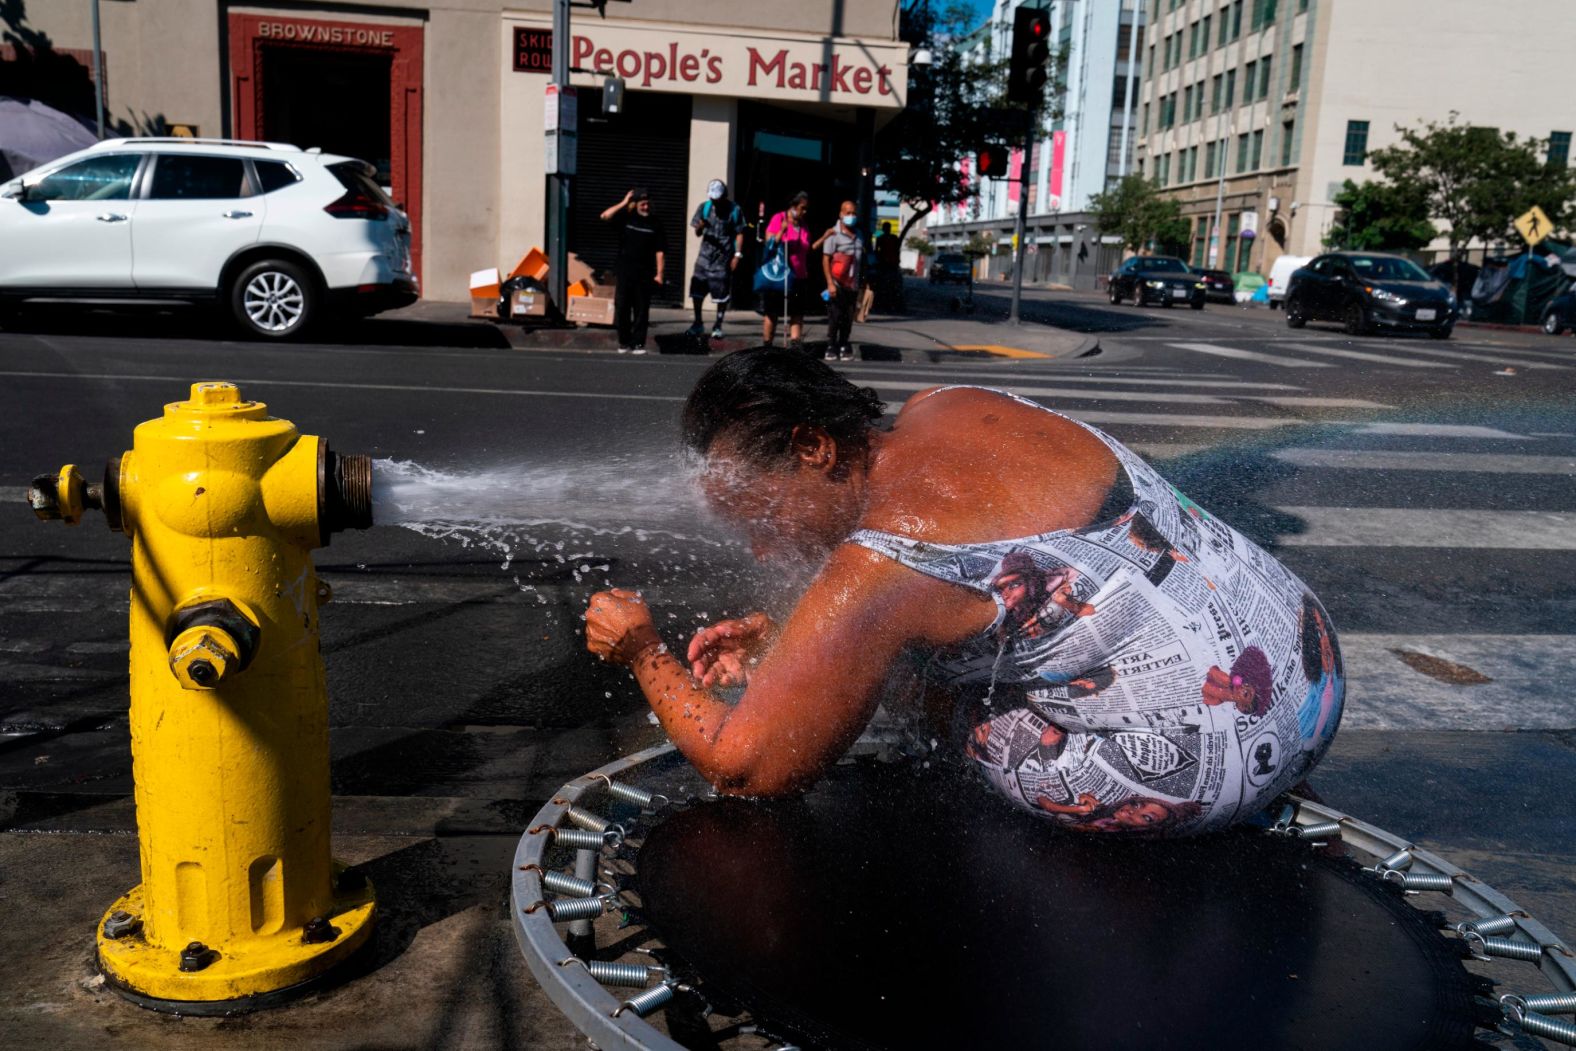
[[557, 180], [98, 71], [1220, 188]]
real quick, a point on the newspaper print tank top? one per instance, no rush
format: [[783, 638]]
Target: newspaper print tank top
[[1155, 671]]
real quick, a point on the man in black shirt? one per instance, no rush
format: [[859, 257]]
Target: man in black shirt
[[642, 246]]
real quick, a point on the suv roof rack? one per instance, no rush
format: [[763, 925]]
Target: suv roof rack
[[182, 140]]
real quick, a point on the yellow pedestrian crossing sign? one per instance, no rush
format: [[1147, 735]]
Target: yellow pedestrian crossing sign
[[1534, 226]]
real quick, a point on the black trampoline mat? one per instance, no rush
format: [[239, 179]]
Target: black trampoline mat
[[885, 910]]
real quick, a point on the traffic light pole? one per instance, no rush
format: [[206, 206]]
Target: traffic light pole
[[557, 182], [1020, 234]]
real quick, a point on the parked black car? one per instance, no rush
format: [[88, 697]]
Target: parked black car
[[1218, 286], [1159, 279], [1364, 290], [950, 266], [1560, 315]]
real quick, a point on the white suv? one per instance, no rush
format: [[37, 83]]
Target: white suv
[[277, 235]]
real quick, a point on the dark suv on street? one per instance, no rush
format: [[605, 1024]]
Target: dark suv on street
[[949, 266], [1159, 279], [1364, 290]]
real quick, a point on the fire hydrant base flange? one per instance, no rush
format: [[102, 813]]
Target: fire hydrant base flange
[[270, 971]]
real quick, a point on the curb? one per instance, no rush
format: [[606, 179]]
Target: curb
[[1496, 326]]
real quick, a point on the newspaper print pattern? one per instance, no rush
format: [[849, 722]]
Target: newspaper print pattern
[[1156, 673]]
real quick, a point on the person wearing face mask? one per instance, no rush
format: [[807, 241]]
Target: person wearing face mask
[[719, 224], [787, 228], [642, 247], [842, 259]]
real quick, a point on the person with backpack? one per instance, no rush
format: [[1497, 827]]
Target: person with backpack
[[719, 224], [842, 265]]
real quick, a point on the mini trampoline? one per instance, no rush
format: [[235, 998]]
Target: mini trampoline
[[901, 906]]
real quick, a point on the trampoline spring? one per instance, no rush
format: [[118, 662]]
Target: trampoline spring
[[635, 974], [1321, 830], [1507, 948], [1487, 925], [644, 1003], [1401, 859], [572, 886], [585, 839], [1544, 1003], [630, 794], [1417, 881], [591, 822], [571, 909], [1555, 1029]]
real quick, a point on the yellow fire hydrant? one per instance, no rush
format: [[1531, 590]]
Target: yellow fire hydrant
[[241, 902]]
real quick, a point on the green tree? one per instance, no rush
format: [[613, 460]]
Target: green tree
[[1134, 210], [955, 105], [1379, 217], [978, 245], [921, 244], [1476, 180]]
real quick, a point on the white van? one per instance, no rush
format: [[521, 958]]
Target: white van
[[1280, 277]]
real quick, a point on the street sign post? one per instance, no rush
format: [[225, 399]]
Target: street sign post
[[1534, 226]]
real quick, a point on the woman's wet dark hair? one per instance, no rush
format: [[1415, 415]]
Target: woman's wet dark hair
[[760, 395], [798, 198]]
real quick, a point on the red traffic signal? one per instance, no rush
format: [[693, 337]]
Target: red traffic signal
[[991, 161], [1031, 52]]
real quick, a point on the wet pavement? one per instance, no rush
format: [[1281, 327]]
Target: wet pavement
[[1422, 488]]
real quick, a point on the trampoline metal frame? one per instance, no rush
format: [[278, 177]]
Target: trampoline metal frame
[[606, 1020]]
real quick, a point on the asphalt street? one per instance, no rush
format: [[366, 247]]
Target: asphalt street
[[1422, 488]]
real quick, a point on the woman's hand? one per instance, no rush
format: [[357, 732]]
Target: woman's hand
[[619, 626], [721, 654]]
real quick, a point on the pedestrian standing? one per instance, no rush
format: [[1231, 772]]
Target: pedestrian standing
[[642, 247], [787, 229], [842, 258], [719, 224]]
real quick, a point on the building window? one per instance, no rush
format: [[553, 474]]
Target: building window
[[1263, 13], [1231, 88], [1144, 128], [1203, 36], [1209, 161], [1192, 41], [1225, 26], [1559, 149], [1250, 75], [1236, 19], [1164, 170], [1302, 5], [1356, 142], [1119, 93], [1296, 69], [1187, 104], [1258, 150], [1151, 74], [1287, 134], [1233, 224], [1200, 239], [1214, 93], [1242, 154], [1264, 77]]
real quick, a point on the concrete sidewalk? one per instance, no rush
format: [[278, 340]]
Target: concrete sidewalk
[[931, 332]]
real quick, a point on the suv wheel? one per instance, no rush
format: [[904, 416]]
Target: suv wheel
[[1116, 296], [273, 299], [1551, 323]]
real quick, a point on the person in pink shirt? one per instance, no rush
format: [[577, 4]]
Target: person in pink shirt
[[788, 227]]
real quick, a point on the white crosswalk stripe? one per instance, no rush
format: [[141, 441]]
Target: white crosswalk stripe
[[1465, 355], [1359, 355], [1417, 527], [1390, 460], [1250, 355]]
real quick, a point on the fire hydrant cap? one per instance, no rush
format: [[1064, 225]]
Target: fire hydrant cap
[[217, 397]]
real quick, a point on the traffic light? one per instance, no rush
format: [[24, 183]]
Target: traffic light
[[991, 161], [1031, 52]]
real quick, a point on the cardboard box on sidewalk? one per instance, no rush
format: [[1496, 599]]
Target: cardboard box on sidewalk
[[484, 293], [590, 310], [532, 265], [528, 302]]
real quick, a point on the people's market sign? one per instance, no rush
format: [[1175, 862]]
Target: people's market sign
[[651, 57]]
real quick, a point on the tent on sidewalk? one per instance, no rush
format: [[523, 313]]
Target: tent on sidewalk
[[1516, 290]]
